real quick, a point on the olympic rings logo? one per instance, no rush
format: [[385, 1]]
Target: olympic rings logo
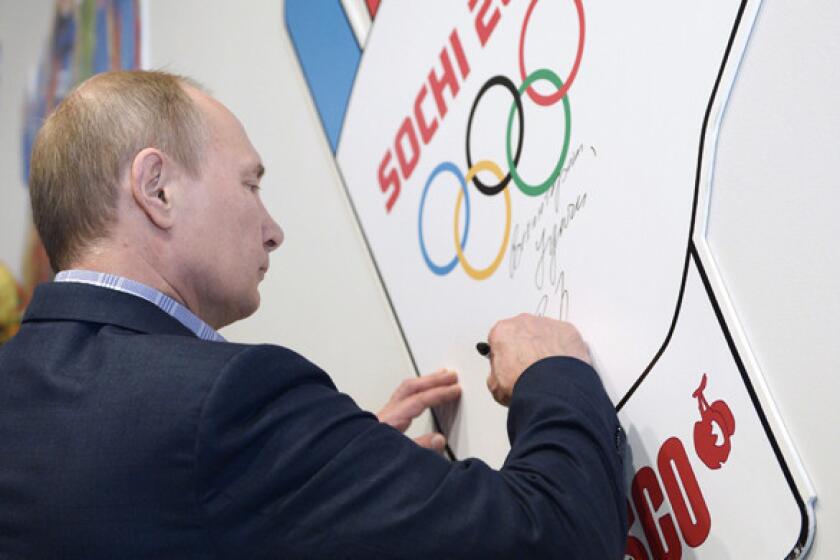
[[461, 234]]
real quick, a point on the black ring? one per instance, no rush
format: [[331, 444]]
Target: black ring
[[496, 81]]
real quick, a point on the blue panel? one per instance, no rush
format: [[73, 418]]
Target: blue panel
[[101, 63], [127, 14], [329, 55]]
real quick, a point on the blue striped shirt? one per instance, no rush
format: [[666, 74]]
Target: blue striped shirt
[[171, 307]]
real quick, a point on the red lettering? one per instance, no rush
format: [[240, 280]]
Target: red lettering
[[406, 145], [460, 57], [426, 130], [672, 463], [389, 181], [448, 80], [484, 27], [634, 549], [645, 485], [407, 164]]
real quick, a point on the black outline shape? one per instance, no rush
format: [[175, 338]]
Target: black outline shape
[[506, 82], [693, 220], [691, 255], [771, 437]]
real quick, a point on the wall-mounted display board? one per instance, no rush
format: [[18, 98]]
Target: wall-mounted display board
[[557, 157]]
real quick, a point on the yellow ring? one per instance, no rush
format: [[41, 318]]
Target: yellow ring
[[483, 273]]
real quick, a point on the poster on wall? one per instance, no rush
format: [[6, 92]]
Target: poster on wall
[[556, 157], [87, 37]]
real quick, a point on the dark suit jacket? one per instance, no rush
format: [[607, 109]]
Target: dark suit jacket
[[122, 435]]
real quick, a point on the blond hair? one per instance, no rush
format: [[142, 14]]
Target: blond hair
[[85, 146]]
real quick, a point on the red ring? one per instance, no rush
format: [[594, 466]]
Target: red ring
[[546, 100]]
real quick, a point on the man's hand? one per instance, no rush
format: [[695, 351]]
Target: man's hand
[[415, 395], [524, 340]]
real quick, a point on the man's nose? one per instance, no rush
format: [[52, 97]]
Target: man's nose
[[272, 235]]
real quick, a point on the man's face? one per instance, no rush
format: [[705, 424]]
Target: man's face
[[224, 232]]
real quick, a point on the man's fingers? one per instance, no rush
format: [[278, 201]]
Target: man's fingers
[[416, 384], [437, 395], [412, 406], [433, 441], [415, 395]]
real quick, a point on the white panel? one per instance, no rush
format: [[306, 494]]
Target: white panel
[[606, 243], [603, 246]]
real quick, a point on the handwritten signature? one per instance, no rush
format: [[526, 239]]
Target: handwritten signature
[[542, 233], [548, 237], [563, 295]]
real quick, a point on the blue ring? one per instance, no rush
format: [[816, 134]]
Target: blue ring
[[452, 168]]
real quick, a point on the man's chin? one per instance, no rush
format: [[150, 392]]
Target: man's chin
[[251, 307], [242, 311]]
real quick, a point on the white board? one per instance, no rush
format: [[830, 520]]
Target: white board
[[605, 227]]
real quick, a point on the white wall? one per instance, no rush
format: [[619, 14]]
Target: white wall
[[773, 228]]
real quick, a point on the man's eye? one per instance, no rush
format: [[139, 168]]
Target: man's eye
[[254, 188]]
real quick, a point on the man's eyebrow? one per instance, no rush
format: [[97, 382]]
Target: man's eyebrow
[[259, 170]]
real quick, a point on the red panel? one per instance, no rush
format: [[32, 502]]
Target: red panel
[[372, 5]]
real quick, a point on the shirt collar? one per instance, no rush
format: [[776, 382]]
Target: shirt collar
[[168, 305]]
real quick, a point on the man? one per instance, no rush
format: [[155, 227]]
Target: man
[[129, 428]]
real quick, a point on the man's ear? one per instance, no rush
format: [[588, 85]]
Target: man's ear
[[151, 177]]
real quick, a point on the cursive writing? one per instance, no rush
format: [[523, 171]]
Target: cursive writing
[[546, 245], [562, 293], [548, 237]]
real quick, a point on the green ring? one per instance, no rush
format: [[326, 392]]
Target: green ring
[[536, 190]]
